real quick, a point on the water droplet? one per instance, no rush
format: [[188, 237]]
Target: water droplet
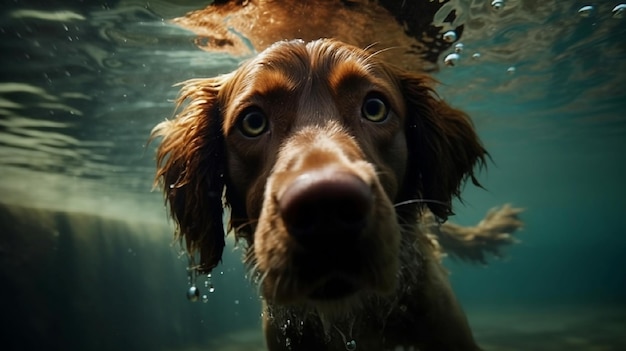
[[585, 11], [288, 343], [458, 48], [193, 294], [449, 36], [497, 4], [191, 276], [476, 55], [619, 11], [351, 345], [451, 59], [511, 70], [205, 298]]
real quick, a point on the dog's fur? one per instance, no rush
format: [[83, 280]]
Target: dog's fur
[[242, 27], [327, 197]]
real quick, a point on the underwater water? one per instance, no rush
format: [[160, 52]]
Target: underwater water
[[87, 256]]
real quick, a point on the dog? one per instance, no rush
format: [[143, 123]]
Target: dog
[[333, 164]]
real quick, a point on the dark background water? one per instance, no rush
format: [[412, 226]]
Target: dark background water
[[86, 251]]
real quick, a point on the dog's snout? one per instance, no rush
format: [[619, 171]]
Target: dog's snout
[[325, 204]]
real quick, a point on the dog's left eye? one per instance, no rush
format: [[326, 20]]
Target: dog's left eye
[[374, 109], [253, 123]]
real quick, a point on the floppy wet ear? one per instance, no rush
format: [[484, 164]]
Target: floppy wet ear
[[444, 148], [190, 168]]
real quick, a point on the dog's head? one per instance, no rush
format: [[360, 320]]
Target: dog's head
[[312, 146]]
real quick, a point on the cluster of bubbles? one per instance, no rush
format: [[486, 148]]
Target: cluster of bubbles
[[453, 58], [618, 12], [193, 293]]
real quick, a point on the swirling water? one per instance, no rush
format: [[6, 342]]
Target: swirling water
[[82, 84]]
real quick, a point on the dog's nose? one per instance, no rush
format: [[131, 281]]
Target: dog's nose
[[324, 205]]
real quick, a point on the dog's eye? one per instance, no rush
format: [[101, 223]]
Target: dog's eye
[[253, 123], [374, 109]]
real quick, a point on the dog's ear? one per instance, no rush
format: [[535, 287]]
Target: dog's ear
[[190, 168], [444, 148]]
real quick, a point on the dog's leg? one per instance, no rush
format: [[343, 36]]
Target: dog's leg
[[474, 244]]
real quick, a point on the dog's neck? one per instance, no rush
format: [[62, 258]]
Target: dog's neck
[[366, 316]]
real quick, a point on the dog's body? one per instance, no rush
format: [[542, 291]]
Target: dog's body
[[242, 27], [327, 157]]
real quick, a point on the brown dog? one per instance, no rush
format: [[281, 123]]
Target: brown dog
[[327, 157]]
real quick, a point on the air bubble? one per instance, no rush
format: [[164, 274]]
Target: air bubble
[[351, 345], [211, 289], [619, 11], [476, 55], [511, 70], [193, 294], [205, 298], [497, 4], [585, 11], [451, 59], [449, 36], [458, 48]]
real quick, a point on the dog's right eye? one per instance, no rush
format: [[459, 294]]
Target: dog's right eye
[[253, 123]]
